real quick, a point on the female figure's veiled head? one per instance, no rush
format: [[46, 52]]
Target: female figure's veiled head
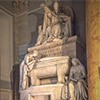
[[47, 10], [75, 61]]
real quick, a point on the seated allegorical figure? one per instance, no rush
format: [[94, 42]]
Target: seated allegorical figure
[[76, 86], [27, 65], [52, 25], [55, 28], [78, 77]]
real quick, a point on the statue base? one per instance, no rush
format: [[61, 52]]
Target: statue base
[[42, 92]]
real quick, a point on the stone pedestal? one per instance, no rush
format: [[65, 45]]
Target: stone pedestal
[[43, 92]]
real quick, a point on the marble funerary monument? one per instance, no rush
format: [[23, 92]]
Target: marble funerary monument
[[52, 69]]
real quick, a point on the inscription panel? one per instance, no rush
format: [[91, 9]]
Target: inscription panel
[[72, 48]]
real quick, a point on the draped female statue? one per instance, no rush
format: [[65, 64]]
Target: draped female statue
[[78, 77], [26, 67], [75, 87], [51, 26]]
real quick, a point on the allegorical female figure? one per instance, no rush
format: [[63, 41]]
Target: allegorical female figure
[[51, 26], [26, 67], [78, 77]]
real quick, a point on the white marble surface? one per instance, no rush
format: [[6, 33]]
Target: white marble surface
[[45, 92]]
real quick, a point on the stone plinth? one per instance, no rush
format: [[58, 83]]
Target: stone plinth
[[43, 92], [72, 48]]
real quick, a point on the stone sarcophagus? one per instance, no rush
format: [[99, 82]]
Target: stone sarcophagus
[[51, 67]]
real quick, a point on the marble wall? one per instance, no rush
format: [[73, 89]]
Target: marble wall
[[6, 53]]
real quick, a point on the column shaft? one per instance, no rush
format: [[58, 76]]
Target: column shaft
[[93, 47]]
